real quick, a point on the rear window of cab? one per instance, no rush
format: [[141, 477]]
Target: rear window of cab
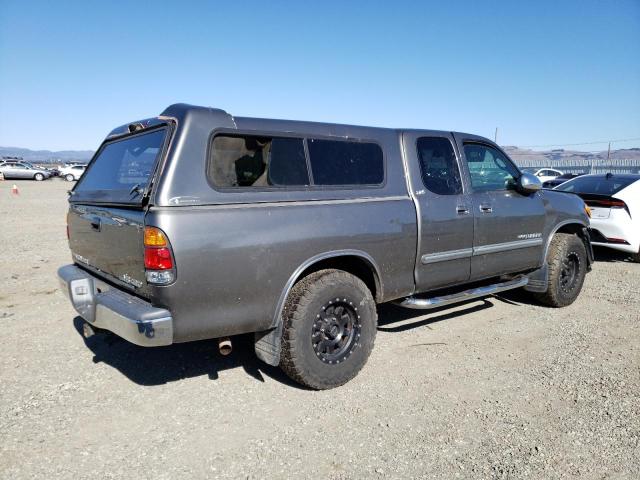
[[257, 161]]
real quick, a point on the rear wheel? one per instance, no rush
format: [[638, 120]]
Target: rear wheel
[[635, 257], [567, 262], [69, 178], [38, 177], [330, 323]]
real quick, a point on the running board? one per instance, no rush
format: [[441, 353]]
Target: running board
[[434, 302]]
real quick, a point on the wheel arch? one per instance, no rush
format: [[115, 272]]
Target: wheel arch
[[355, 262], [570, 226]]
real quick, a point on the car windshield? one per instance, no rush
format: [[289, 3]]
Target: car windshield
[[122, 169], [598, 185]]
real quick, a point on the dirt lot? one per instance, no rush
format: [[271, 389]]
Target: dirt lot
[[497, 388]]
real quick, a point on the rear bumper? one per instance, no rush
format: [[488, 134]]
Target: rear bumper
[[112, 309]]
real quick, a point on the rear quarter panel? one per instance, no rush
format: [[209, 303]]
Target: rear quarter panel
[[234, 261]]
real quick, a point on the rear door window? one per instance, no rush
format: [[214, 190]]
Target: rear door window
[[122, 169], [438, 166], [335, 162], [257, 161]]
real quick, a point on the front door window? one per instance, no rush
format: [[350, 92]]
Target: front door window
[[490, 170]]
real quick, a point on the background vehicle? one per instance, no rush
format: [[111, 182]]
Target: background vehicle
[[550, 184], [23, 170], [615, 209], [544, 174], [196, 224], [71, 172]]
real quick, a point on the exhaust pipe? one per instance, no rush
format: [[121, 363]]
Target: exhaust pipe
[[87, 330], [224, 346]]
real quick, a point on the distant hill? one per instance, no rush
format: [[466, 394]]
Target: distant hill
[[560, 154], [46, 156], [522, 156]]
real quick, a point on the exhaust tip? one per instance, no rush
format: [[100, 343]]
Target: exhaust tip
[[87, 330], [224, 346]]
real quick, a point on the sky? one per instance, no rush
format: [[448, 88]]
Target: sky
[[544, 72]]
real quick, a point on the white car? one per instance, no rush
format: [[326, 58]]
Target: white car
[[71, 172], [545, 174], [614, 200]]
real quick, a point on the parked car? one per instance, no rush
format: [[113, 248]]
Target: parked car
[[23, 170], [71, 173], [295, 230], [550, 184], [614, 200], [545, 174]]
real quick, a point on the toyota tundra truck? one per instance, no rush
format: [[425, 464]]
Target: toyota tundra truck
[[196, 224]]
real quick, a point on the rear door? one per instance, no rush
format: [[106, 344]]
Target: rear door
[[106, 217], [508, 225], [20, 170], [444, 209]]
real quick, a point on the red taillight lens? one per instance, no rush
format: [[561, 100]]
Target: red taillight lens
[[617, 240], [157, 258], [607, 203], [157, 254]]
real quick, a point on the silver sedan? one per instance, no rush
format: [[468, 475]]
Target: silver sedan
[[24, 170]]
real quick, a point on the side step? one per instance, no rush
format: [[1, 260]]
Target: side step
[[434, 302]]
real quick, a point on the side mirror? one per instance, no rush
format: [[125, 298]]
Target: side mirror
[[529, 183]]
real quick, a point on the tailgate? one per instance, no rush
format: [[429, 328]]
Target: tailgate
[[109, 241]]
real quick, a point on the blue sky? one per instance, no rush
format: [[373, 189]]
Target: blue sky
[[554, 72]]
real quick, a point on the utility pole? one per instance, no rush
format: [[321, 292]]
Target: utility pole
[[609, 153], [495, 137]]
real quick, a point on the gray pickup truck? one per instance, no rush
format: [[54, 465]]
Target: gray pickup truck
[[199, 225]]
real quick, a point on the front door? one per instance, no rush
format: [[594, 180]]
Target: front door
[[508, 224], [445, 231]]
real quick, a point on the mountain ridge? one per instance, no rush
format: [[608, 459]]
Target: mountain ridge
[[519, 155]]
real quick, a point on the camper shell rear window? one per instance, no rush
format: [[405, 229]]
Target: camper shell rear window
[[122, 169]]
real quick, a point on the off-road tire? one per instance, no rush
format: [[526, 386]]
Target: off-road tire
[[566, 252], [69, 178], [300, 358], [38, 177]]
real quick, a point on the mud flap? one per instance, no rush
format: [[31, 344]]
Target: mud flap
[[586, 238], [268, 345], [538, 279]]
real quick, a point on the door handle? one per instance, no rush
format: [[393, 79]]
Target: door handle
[[462, 210], [486, 208]]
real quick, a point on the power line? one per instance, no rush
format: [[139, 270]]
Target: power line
[[583, 143]]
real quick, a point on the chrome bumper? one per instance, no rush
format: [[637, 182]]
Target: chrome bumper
[[112, 309]]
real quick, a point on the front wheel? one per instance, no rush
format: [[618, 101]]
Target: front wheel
[[330, 323], [38, 177], [567, 262], [69, 178]]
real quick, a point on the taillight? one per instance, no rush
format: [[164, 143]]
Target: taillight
[[608, 203], [617, 240], [158, 259]]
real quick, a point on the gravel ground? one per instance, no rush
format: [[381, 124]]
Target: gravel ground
[[499, 388]]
